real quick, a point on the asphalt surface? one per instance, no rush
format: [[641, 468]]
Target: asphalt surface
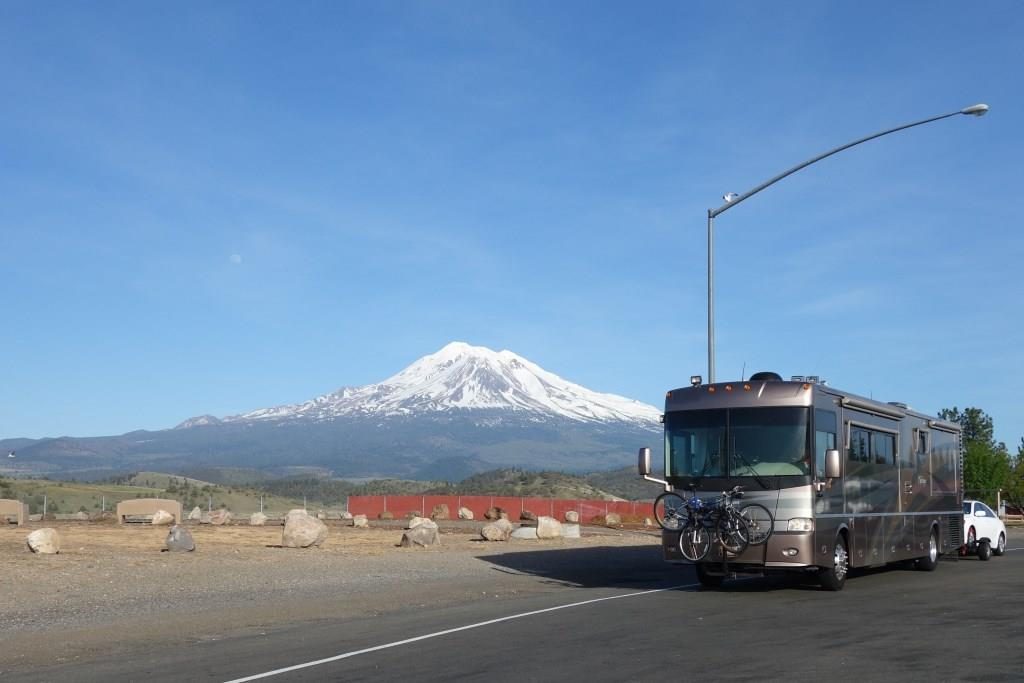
[[960, 622]]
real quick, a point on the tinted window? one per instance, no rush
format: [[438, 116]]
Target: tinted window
[[883, 448], [860, 449]]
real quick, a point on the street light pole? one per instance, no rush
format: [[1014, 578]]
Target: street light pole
[[733, 199]]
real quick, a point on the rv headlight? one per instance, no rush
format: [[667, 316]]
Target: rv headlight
[[801, 524]]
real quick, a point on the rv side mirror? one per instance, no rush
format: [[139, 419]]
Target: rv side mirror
[[643, 461], [832, 464]]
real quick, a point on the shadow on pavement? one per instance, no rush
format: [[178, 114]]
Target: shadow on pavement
[[603, 567]]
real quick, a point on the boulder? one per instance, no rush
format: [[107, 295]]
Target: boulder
[[572, 517], [440, 512], [81, 516], [44, 541], [386, 515], [548, 527], [612, 519], [257, 519], [421, 535], [204, 518], [179, 540], [417, 521], [320, 514], [196, 514], [527, 516], [162, 518], [465, 513], [495, 513], [525, 533], [648, 522], [220, 517], [302, 530], [345, 516], [499, 530], [360, 522], [570, 531]]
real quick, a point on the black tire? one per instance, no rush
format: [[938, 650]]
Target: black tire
[[1000, 546], [984, 551], [760, 523], [670, 511], [708, 580], [834, 578], [930, 562], [732, 533], [694, 541]]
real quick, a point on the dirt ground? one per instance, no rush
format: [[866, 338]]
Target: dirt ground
[[111, 587]]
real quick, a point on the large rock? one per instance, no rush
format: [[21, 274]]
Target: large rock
[[220, 517], [495, 513], [572, 517], [44, 541], [196, 514], [440, 511], [528, 516], [360, 522], [424, 533], [346, 516], [613, 519], [162, 518], [418, 521], [81, 516], [498, 530], [525, 533], [465, 513], [302, 531], [179, 540], [570, 531], [548, 527], [257, 519]]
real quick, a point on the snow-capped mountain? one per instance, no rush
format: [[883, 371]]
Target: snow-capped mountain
[[462, 410], [461, 378]]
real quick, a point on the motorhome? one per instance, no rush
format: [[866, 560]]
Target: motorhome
[[851, 482]]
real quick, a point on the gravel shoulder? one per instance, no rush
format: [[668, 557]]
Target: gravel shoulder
[[111, 590]]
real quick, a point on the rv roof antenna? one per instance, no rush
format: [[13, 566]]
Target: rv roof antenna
[[743, 372]]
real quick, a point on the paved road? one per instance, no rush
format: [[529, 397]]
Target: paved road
[[628, 616]]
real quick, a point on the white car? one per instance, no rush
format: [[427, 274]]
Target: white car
[[982, 524]]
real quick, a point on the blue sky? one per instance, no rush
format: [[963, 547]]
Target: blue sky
[[217, 207]]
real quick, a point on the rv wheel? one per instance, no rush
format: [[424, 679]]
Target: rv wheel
[[832, 578], [929, 562]]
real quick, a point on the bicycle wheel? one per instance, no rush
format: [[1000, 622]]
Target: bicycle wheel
[[759, 521], [670, 511], [694, 541], [733, 533]]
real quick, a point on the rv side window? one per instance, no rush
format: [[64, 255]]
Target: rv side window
[[921, 445], [859, 448], [882, 447]]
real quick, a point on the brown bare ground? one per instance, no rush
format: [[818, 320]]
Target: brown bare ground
[[112, 588]]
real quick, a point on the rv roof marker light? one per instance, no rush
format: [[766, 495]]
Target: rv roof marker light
[[711, 389], [696, 380], [746, 387], [806, 386], [728, 387]]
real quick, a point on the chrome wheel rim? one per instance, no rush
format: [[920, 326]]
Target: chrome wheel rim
[[840, 559], [1002, 542], [933, 548]]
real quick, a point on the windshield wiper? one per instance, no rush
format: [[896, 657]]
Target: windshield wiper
[[752, 470]]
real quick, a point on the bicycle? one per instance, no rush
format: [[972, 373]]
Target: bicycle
[[735, 527]]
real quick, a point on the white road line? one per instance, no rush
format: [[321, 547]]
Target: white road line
[[397, 643]]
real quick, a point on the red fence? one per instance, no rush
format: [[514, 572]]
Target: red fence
[[400, 506]]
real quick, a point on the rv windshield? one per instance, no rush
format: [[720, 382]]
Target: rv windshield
[[737, 442]]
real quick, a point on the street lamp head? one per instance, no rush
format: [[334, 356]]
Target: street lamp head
[[729, 197], [976, 110]]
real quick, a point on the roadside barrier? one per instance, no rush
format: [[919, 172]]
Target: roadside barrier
[[400, 506]]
